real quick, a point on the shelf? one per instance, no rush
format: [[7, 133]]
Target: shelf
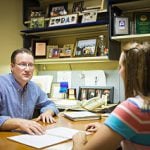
[[80, 14], [131, 6], [72, 60], [129, 37], [79, 63], [129, 9], [70, 29]]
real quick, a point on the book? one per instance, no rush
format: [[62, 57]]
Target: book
[[81, 115], [142, 22], [52, 136]]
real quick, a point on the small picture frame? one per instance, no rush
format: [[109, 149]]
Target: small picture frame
[[98, 92], [37, 22], [89, 16], [55, 53], [77, 7], [63, 20], [71, 93], [85, 47], [50, 50], [55, 91], [91, 93], [35, 12], [83, 93], [58, 9], [121, 25], [67, 50], [39, 48], [88, 92]]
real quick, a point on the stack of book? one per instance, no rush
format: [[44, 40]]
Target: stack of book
[[81, 115]]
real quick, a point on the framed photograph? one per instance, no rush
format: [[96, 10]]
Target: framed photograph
[[89, 16], [91, 93], [100, 91], [55, 91], [50, 50], [121, 25], [34, 12], [71, 93], [39, 48], [63, 20], [67, 50], [83, 93], [77, 7], [58, 9], [55, 53], [37, 22], [85, 47]]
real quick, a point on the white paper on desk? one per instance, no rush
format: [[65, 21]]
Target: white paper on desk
[[37, 141], [64, 76], [62, 132], [96, 78], [51, 137], [43, 81]]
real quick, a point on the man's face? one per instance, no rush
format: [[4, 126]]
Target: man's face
[[23, 68]]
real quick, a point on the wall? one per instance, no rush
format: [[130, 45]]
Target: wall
[[112, 79], [11, 39], [10, 26]]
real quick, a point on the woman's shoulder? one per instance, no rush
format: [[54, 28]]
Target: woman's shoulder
[[131, 110], [137, 103], [129, 103]]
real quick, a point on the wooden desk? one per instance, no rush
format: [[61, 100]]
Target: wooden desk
[[6, 144]]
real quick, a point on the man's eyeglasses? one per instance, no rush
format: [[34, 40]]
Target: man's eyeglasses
[[24, 66]]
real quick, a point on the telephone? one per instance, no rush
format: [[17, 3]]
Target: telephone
[[94, 102]]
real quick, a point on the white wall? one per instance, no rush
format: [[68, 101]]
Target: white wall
[[112, 79]]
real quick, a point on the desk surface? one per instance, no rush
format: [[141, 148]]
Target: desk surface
[[6, 144]]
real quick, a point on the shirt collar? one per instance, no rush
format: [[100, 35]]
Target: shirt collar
[[140, 103], [16, 84]]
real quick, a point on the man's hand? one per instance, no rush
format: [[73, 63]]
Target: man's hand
[[46, 117], [29, 126]]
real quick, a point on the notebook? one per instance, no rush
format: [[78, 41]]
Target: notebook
[[81, 115], [51, 137]]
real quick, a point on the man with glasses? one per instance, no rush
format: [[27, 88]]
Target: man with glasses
[[19, 97]]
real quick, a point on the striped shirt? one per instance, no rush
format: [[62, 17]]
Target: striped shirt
[[130, 120]]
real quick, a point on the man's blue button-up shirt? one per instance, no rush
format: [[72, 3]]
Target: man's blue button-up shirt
[[18, 102]]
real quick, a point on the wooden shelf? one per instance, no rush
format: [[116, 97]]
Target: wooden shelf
[[128, 9], [82, 28], [131, 6], [72, 60], [79, 63], [80, 14], [129, 37]]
